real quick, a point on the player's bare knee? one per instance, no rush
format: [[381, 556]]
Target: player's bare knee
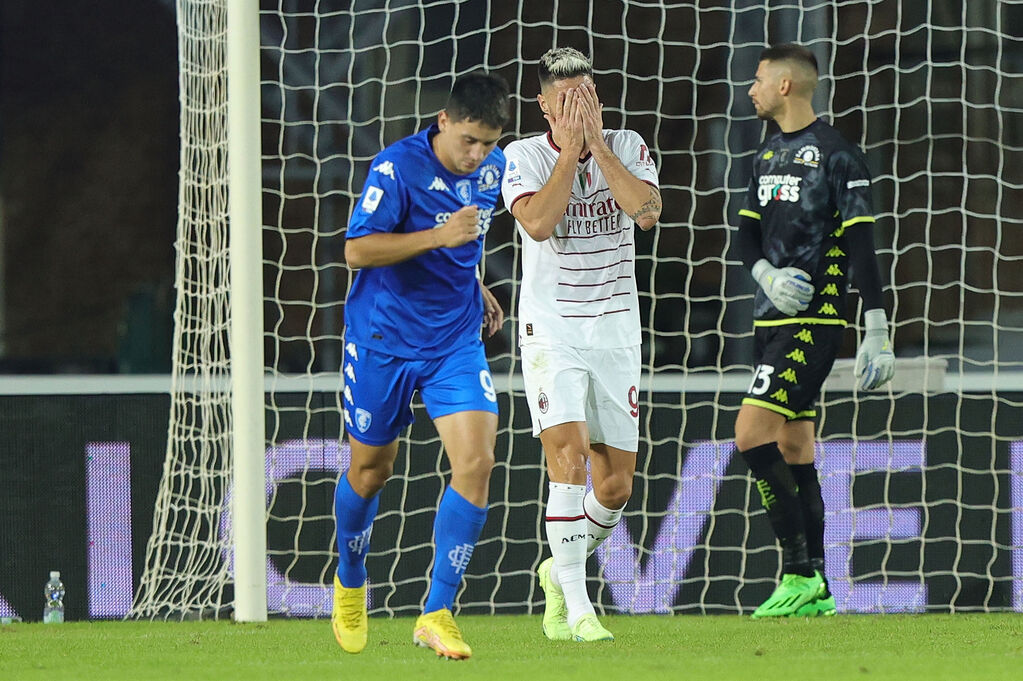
[[614, 492], [746, 440], [789, 451], [476, 467], [569, 459], [485, 464], [370, 479]]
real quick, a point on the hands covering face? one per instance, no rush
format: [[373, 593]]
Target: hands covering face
[[576, 117], [591, 113]]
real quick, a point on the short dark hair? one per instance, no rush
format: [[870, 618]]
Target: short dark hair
[[479, 97], [560, 63], [790, 52]]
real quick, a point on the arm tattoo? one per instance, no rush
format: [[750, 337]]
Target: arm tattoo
[[652, 206]]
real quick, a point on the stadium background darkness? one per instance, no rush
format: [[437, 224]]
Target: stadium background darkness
[[89, 162]]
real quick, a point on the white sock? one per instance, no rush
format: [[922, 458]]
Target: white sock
[[600, 521], [566, 534]]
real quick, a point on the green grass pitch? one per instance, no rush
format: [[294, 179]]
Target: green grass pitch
[[903, 647]]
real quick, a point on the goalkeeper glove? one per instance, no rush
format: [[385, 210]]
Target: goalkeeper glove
[[788, 288], [875, 361]]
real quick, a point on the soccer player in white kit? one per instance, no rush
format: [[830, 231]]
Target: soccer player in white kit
[[576, 192]]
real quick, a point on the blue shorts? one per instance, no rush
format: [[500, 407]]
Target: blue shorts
[[379, 387]]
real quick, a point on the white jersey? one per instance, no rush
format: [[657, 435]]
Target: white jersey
[[579, 286]]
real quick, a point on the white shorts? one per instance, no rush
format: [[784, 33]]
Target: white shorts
[[600, 387]]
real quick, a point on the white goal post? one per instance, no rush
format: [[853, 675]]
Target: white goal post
[[923, 482]]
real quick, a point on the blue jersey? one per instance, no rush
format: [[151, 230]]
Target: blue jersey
[[423, 307]]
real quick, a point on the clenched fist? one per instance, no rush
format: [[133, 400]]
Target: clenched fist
[[461, 228]]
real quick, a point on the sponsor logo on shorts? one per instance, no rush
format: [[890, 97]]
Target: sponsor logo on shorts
[[633, 402], [543, 403], [362, 419]]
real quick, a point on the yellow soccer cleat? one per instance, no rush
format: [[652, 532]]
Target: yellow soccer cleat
[[349, 621], [555, 612], [437, 630], [588, 629]]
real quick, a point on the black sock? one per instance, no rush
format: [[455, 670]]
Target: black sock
[[805, 475], [778, 493]]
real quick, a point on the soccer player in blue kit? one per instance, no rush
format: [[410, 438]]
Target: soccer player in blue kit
[[412, 322]]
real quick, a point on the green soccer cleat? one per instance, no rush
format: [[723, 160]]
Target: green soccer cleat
[[821, 607], [794, 592], [588, 629], [555, 613], [348, 620]]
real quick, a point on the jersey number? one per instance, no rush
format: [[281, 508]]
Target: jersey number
[[761, 379], [488, 386], [634, 402]]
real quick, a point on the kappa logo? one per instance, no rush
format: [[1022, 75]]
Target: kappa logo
[[488, 178], [386, 168], [438, 185], [808, 155], [352, 350], [372, 199], [362, 419], [350, 372], [348, 419], [463, 188]]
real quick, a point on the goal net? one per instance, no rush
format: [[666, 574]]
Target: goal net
[[923, 482]]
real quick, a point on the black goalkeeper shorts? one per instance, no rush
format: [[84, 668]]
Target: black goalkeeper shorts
[[791, 362]]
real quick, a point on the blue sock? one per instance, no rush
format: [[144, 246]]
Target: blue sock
[[354, 516], [455, 532]]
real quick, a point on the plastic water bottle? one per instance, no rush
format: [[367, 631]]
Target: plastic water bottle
[[53, 613]]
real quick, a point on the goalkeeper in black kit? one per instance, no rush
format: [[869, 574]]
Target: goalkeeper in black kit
[[808, 221]]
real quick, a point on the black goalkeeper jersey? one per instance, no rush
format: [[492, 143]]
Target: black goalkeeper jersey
[[807, 188]]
